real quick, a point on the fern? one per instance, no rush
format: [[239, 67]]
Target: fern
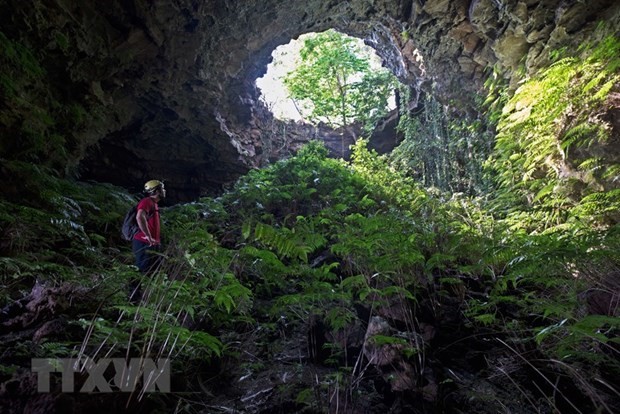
[[296, 242]]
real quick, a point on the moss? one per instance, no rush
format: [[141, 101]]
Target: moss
[[36, 118], [77, 114], [61, 40], [7, 84], [20, 57]]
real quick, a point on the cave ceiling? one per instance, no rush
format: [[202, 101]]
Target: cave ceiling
[[169, 84]]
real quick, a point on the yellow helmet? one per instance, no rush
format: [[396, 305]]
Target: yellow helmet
[[151, 186]]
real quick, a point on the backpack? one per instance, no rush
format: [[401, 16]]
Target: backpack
[[130, 225]]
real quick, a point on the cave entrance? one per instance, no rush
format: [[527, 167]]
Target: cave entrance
[[341, 73]]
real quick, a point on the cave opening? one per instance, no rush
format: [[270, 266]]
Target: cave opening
[[471, 267], [289, 58]]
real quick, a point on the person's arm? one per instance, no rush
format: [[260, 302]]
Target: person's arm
[[142, 220]]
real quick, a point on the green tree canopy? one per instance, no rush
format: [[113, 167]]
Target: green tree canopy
[[334, 82]]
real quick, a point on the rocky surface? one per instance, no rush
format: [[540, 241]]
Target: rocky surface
[[166, 89]]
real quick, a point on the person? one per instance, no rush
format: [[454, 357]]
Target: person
[[147, 239]]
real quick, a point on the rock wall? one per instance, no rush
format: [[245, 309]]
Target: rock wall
[[166, 89]]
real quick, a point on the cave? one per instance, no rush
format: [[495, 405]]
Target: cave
[[106, 95], [167, 89]]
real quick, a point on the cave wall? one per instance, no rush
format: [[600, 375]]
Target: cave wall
[[165, 89]]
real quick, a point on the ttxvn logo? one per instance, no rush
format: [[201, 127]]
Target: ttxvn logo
[[127, 374]]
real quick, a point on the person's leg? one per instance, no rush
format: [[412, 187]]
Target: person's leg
[[142, 255], [155, 258], [143, 260]]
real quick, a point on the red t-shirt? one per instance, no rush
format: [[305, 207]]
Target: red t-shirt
[[151, 209]]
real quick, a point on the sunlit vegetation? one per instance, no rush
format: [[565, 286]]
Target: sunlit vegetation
[[517, 278], [549, 157], [335, 84]]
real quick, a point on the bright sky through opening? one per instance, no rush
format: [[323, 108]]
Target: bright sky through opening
[[285, 59]]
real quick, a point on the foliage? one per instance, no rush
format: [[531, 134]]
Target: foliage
[[63, 224], [525, 276], [67, 234], [547, 156], [548, 235], [36, 116], [440, 150], [315, 239], [335, 83]]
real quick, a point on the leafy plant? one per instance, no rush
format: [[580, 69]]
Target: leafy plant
[[336, 85], [440, 150], [547, 130]]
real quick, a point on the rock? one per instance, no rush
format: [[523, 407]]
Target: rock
[[167, 90], [387, 349]]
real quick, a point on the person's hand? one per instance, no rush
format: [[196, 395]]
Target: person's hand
[[151, 241]]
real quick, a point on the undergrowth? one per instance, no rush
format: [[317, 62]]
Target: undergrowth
[[526, 277]]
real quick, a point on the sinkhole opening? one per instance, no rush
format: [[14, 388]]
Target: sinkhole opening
[[328, 78]]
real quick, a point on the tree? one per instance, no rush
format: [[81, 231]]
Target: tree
[[335, 84]]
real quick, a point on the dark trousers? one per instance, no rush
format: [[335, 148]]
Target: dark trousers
[[146, 262], [142, 252]]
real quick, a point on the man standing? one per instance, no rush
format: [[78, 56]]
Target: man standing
[[147, 239]]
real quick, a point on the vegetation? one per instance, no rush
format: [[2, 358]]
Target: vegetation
[[35, 115], [315, 239], [548, 154], [334, 82], [440, 150], [346, 286]]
